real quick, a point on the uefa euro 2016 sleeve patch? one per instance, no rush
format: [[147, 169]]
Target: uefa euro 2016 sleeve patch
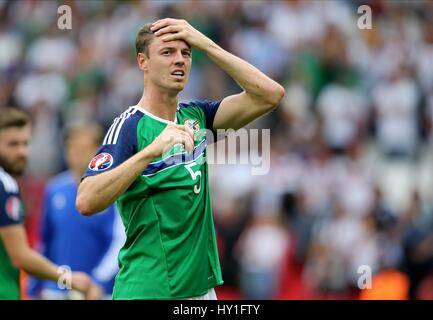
[[13, 208], [101, 162]]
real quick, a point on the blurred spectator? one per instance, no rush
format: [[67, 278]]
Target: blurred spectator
[[340, 246], [261, 250], [343, 114], [396, 104]]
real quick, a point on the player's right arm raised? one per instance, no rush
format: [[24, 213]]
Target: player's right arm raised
[[98, 192]]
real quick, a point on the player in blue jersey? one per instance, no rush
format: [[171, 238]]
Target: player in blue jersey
[[15, 252], [68, 238]]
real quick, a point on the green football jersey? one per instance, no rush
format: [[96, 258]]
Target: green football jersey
[[170, 250], [11, 213]]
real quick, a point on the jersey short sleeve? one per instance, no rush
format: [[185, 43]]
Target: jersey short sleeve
[[11, 207], [119, 144]]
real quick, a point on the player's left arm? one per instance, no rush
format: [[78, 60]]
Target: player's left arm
[[261, 94]]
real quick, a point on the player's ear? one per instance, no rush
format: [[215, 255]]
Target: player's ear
[[142, 61]]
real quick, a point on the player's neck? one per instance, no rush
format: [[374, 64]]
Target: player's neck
[[159, 103]]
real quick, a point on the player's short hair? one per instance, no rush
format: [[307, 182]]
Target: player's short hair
[[93, 129], [12, 117], [143, 39]]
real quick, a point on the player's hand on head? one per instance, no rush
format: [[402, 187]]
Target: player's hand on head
[[173, 134], [176, 29]]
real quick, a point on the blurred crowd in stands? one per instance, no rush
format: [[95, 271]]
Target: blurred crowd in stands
[[351, 177]]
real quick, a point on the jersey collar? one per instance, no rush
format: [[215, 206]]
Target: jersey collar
[[154, 116]]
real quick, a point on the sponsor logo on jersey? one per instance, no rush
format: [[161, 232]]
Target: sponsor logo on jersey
[[101, 162], [13, 208]]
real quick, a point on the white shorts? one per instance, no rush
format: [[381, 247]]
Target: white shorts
[[210, 295]]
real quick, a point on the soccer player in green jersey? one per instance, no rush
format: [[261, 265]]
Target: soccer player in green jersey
[[161, 188], [15, 252]]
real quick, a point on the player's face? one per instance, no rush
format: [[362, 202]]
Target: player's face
[[169, 64], [80, 149], [14, 149]]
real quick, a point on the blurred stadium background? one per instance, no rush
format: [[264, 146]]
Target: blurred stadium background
[[351, 179]]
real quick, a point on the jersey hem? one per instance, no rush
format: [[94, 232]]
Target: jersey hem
[[175, 297]]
